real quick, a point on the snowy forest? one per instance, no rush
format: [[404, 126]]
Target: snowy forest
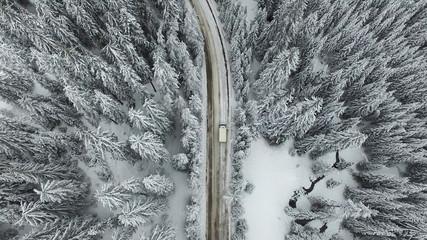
[[102, 109], [101, 117], [330, 75]]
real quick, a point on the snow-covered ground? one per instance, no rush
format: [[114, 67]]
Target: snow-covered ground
[[251, 6], [276, 175], [4, 105]]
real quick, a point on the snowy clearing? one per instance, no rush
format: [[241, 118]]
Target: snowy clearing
[[275, 175]]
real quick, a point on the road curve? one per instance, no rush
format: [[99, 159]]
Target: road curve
[[218, 160]]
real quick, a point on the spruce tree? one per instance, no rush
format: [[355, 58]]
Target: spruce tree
[[158, 185], [109, 107], [139, 212], [290, 122], [150, 147], [58, 191], [112, 196], [276, 74]]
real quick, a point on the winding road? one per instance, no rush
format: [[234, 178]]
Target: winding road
[[218, 157]]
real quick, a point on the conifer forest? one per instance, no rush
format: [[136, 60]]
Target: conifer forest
[[105, 126]]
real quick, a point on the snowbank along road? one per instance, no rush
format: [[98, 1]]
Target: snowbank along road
[[218, 160]]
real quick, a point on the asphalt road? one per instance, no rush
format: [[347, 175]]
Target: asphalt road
[[218, 161]]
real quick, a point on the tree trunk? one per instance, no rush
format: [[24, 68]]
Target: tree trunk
[[313, 183]]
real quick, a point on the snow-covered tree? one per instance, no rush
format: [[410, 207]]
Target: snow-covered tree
[[276, 73], [192, 223], [140, 120], [158, 185], [17, 78], [109, 107], [149, 147], [373, 228], [83, 101], [180, 161], [112, 196], [133, 185], [158, 115], [306, 232], [58, 191], [165, 76], [34, 172], [75, 228], [34, 214], [289, 122], [192, 34], [161, 232], [102, 142], [123, 233], [53, 108], [138, 212]]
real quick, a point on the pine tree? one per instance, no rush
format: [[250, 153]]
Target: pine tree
[[112, 196], [58, 191], [165, 76], [180, 161], [34, 213], [188, 120], [276, 74], [289, 122], [123, 233], [149, 147], [161, 232], [336, 141], [34, 172], [83, 102], [158, 185], [109, 107], [53, 108], [14, 142], [140, 120], [17, 76], [76, 228], [307, 232], [180, 60], [196, 106], [139, 212], [102, 142], [158, 115], [133, 185], [368, 227], [192, 223], [192, 35]]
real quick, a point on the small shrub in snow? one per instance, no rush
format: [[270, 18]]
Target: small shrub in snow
[[194, 181], [249, 188], [237, 209], [104, 175], [342, 164], [192, 212], [336, 236], [292, 152], [236, 184], [331, 183], [242, 226], [321, 168], [192, 225], [180, 162], [368, 166], [123, 233]]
